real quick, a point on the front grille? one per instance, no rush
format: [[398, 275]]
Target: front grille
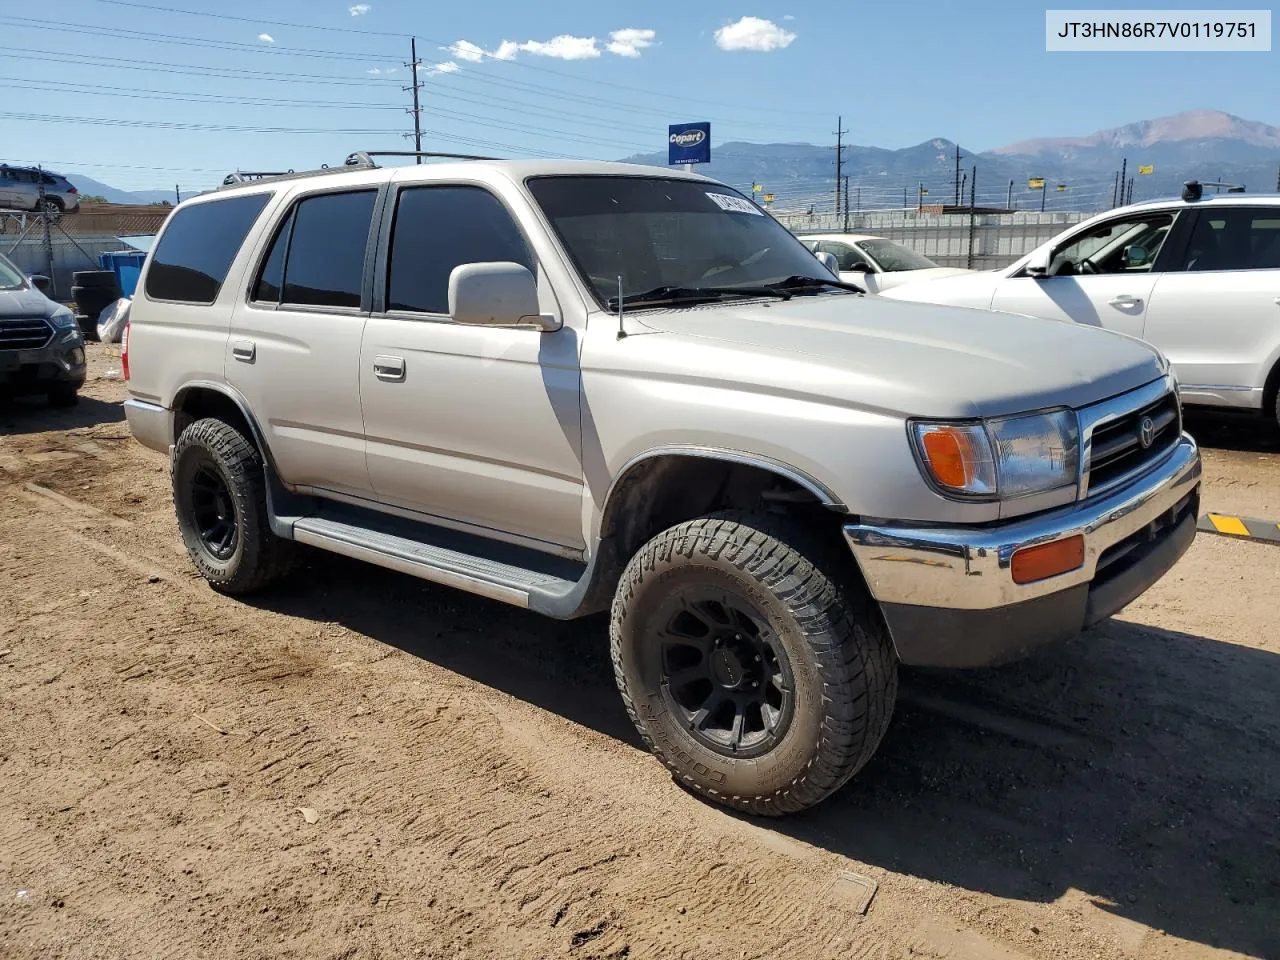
[[1117, 449], [29, 334]]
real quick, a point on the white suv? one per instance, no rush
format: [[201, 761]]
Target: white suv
[[1197, 278]]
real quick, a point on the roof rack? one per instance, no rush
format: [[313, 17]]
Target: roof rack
[[364, 157], [360, 160], [1194, 189]]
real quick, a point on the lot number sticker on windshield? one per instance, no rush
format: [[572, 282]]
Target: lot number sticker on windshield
[[734, 204]]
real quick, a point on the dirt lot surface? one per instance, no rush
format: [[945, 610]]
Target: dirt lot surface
[[361, 765]]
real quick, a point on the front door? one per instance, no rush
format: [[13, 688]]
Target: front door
[[1102, 277], [1216, 313], [294, 347], [477, 426]]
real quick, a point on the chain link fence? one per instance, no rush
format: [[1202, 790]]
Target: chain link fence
[[982, 241]]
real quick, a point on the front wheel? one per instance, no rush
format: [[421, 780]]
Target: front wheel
[[762, 677], [220, 495]]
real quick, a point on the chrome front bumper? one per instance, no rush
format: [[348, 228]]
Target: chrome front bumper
[[957, 581]]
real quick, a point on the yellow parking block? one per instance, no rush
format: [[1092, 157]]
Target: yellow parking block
[[1246, 528]]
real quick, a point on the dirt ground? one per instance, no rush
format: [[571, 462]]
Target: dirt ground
[[477, 791]]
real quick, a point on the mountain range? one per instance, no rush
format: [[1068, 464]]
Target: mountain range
[[1196, 144]]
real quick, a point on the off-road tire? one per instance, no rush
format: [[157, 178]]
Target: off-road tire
[[63, 395], [841, 657], [258, 557]]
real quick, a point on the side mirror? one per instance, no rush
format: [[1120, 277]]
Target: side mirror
[[1038, 265], [40, 282], [498, 294], [1135, 255], [829, 261]]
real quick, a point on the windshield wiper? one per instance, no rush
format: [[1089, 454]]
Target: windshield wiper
[[668, 295], [799, 282]]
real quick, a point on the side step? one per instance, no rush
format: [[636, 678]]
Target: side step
[[477, 565]]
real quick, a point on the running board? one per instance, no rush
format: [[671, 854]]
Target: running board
[[445, 557]]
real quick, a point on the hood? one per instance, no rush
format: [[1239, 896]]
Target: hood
[[897, 278], [968, 288], [27, 302], [911, 359]]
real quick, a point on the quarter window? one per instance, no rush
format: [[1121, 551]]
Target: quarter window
[[191, 261], [439, 228]]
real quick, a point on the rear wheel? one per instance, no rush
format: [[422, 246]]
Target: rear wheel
[[219, 493], [752, 667]]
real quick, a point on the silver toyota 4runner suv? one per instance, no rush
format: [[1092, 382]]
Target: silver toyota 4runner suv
[[578, 387]]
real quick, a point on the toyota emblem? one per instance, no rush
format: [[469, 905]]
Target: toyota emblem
[[1147, 432]]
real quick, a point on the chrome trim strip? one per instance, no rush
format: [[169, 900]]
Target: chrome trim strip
[[415, 568], [1116, 408], [968, 568]]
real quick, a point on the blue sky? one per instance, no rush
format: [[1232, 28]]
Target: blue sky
[[761, 70]]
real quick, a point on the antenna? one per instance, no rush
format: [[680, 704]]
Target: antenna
[[621, 332]]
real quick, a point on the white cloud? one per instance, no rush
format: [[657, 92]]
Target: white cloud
[[507, 50], [563, 47], [381, 71], [266, 38], [753, 33], [359, 9], [630, 41], [448, 67], [788, 17], [466, 50]]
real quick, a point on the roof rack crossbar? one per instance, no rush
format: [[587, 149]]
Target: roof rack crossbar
[[361, 157], [257, 176], [1194, 189]]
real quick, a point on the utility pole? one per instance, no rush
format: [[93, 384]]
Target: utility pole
[[414, 64], [177, 195], [840, 132], [959, 189], [858, 208], [1008, 204], [973, 195], [964, 185], [1044, 190], [1115, 189], [1130, 200], [1124, 169], [920, 197], [1278, 181], [846, 203]]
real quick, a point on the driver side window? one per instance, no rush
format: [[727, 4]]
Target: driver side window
[[1128, 245]]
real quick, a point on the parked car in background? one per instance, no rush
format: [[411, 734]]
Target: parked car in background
[[876, 263], [1197, 277], [20, 189], [41, 347]]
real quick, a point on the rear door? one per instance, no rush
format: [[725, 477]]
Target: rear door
[[1101, 276], [294, 345], [1216, 315]]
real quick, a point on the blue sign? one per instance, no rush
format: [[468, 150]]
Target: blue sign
[[688, 143]]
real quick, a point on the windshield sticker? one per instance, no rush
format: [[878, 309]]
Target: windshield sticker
[[734, 204]]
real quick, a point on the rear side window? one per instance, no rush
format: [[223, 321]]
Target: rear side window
[[191, 261], [325, 262], [439, 228], [1240, 238]]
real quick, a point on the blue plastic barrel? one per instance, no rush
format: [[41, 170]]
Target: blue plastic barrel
[[126, 265]]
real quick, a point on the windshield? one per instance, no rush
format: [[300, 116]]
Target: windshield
[[894, 256], [658, 233], [10, 276]]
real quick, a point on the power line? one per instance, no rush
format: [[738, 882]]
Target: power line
[[666, 95]]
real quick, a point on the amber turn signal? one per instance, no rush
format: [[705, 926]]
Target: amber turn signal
[[1047, 560]]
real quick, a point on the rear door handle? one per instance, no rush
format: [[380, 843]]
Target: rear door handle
[[244, 350], [389, 368], [1124, 300]]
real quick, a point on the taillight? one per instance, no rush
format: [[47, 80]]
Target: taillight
[[124, 351], [71, 189]]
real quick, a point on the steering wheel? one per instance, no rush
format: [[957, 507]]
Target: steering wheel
[[1086, 266]]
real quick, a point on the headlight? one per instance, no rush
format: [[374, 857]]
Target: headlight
[[64, 320], [1000, 459]]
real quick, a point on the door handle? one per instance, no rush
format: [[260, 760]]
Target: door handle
[[244, 350], [389, 368], [1124, 300]]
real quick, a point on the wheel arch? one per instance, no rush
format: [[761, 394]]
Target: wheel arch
[[203, 398]]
